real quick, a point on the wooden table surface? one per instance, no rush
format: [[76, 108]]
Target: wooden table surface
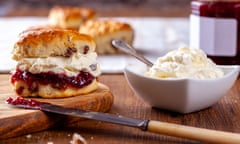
[[223, 115]]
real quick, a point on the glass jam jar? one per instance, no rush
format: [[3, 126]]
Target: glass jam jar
[[215, 28]]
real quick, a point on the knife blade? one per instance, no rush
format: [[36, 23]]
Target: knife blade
[[104, 117], [164, 128]]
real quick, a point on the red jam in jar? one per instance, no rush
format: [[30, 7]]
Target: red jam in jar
[[215, 28]]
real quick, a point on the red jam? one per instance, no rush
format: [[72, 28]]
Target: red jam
[[220, 9], [58, 81], [25, 102]]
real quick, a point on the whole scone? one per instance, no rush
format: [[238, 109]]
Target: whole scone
[[104, 31], [70, 17], [54, 63]]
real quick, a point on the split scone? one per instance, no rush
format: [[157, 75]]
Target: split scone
[[54, 63], [104, 31], [69, 17]]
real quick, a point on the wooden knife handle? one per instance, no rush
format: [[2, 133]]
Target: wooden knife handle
[[193, 133]]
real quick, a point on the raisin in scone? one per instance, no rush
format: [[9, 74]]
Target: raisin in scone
[[70, 17], [104, 31], [54, 63]]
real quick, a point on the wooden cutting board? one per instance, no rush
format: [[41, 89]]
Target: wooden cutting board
[[15, 122]]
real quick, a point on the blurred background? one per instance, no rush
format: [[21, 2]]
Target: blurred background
[[131, 8]]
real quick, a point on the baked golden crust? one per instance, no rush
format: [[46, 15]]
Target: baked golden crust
[[97, 28], [50, 42], [70, 17], [47, 91], [104, 31]]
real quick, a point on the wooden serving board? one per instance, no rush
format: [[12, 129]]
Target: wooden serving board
[[15, 121]]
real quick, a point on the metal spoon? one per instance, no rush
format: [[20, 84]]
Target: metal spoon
[[131, 51]]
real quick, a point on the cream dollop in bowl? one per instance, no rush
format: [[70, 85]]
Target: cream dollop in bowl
[[183, 95]]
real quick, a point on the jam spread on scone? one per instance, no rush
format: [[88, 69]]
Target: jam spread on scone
[[58, 81]]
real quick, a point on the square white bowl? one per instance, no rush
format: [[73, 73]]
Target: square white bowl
[[183, 95]]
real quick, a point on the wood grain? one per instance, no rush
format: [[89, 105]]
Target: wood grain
[[16, 122]]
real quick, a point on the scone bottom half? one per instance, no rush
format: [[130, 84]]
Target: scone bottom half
[[54, 63]]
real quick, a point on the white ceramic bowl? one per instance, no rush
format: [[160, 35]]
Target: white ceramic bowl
[[179, 95]]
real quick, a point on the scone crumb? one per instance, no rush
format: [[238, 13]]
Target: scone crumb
[[78, 139], [28, 136]]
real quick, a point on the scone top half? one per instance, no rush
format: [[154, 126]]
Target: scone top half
[[51, 42], [54, 63]]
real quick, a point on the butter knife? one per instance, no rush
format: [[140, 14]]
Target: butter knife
[[164, 128]]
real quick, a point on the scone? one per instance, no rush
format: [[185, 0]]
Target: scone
[[70, 17], [54, 63], [104, 31]]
